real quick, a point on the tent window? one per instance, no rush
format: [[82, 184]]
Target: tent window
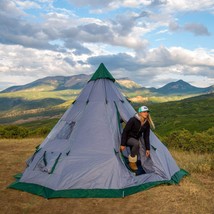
[[66, 131], [48, 162]]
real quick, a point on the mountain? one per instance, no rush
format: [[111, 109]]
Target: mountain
[[181, 87], [49, 97], [127, 84], [76, 82], [53, 83]]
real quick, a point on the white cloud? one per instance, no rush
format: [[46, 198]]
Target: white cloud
[[189, 5], [162, 31], [27, 4], [198, 57], [19, 63], [169, 62], [63, 43], [167, 5]]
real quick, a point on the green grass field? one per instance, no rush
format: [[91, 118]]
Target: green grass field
[[193, 114]]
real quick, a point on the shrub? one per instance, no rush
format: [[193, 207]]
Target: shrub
[[41, 132], [12, 131], [196, 142]]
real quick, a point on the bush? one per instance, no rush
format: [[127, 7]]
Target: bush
[[41, 132], [12, 131], [197, 142]]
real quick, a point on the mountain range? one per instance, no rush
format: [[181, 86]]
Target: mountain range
[[77, 82], [43, 101]]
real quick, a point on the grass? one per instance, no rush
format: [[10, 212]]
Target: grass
[[194, 194], [194, 163], [29, 95], [187, 114]]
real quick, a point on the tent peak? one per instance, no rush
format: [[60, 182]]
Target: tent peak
[[102, 73]]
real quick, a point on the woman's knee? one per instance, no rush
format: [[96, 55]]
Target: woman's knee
[[132, 142]]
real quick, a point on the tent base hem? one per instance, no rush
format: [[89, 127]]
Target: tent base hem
[[91, 193]]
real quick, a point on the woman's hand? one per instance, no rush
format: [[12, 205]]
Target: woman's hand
[[122, 148], [147, 153]]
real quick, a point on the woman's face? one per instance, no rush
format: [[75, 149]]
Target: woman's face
[[144, 114]]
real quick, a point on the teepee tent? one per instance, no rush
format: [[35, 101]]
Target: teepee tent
[[81, 158]]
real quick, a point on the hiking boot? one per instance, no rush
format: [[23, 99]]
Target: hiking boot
[[133, 166], [132, 162]]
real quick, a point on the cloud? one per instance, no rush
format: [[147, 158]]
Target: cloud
[[124, 24], [116, 61], [158, 2], [9, 8], [15, 31], [27, 4], [160, 63], [125, 30], [166, 57], [174, 26], [188, 5], [57, 41], [195, 28], [57, 26], [171, 6], [91, 3], [20, 61], [69, 61]]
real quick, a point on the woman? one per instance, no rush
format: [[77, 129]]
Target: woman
[[136, 127]]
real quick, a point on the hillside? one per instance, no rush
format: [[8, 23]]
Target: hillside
[[55, 90], [193, 114], [42, 102], [127, 84]]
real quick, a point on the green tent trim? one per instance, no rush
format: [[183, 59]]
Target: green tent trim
[[102, 73], [92, 193]]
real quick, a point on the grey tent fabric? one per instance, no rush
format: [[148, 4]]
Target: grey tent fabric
[[81, 158]]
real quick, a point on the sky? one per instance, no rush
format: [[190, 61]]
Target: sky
[[152, 42]]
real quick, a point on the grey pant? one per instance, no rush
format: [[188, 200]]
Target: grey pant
[[134, 146]]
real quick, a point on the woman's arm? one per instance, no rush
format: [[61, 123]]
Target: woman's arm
[[126, 130]]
